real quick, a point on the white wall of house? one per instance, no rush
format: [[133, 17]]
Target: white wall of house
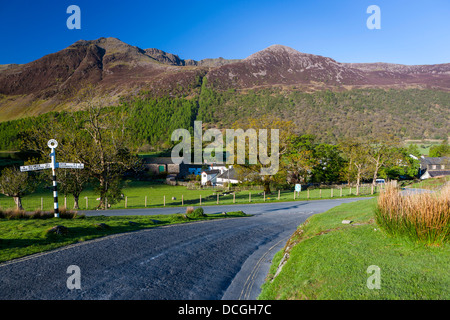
[[426, 175], [208, 177], [223, 180]]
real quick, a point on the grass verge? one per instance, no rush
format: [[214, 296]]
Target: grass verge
[[431, 184], [21, 237], [327, 260]]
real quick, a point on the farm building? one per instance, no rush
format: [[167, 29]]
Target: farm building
[[434, 167]]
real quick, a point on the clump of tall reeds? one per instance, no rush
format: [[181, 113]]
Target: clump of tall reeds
[[424, 217], [16, 214]]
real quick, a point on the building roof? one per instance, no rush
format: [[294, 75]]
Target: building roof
[[438, 173], [229, 174], [433, 161], [211, 171]]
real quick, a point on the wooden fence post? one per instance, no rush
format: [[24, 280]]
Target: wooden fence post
[[278, 194], [249, 196], [307, 193], [164, 201], [200, 199], [217, 198], [145, 202], [234, 197], [182, 200], [126, 202], [332, 192]]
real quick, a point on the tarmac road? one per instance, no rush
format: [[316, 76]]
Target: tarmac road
[[210, 260]]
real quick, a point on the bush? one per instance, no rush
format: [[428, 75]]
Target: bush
[[197, 213]]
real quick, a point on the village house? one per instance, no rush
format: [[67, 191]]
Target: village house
[[218, 175], [209, 177], [228, 176], [434, 167]]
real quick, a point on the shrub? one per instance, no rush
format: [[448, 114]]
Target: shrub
[[197, 213], [424, 217]]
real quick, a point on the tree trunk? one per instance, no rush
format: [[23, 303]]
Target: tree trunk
[[358, 180], [375, 174], [75, 202], [267, 187], [349, 172], [18, 202], [375, 177], [103, 190]]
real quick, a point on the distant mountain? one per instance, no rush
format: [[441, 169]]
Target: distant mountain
[[118, 70], [281, 65], [57, 81]]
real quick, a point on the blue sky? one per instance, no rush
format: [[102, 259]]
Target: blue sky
[[412, 32]]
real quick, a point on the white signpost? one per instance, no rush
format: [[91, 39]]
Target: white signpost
[[298, 188], [52, 144]]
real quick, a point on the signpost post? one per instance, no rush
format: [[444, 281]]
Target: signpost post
[[52, 144], [298, 188]]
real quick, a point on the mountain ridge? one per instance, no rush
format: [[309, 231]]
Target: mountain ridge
[[116, 70]]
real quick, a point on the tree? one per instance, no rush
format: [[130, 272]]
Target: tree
[[406, 167], [346, 146], [440, 150], [361, 161], [382, 152], [73, 181], [16, 184], [299, 159], [252, 171], [106, 152], [356, 154], [414, 150], [330, 164]]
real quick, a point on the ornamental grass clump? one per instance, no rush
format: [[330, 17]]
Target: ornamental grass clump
[[423, 217]]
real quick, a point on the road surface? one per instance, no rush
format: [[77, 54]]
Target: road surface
[[209, 260]]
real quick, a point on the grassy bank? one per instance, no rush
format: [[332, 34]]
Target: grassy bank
[[431, 184], [21, 237], [329, 260]]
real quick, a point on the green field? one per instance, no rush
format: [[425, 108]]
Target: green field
[[141, 194], [329, 260], [423, 146]]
